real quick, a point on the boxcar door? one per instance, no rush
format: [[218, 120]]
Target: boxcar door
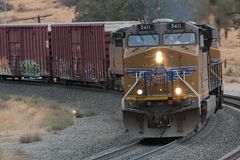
[[76, 53], [15, 49]]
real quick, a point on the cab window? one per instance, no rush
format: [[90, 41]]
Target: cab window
[[179, 39], [143, 40]]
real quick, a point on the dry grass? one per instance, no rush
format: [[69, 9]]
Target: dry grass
[[59, 121], [19, 154], [29, 8], [4, 96], [231, 52], [24, 120], [26, 117], [29, 138], [1, 154], [230, 72]]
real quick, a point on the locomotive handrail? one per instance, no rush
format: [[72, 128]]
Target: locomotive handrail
[[191, 88], [136, 82], [139, 76]]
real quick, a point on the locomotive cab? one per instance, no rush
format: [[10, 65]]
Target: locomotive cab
[[172, 78]]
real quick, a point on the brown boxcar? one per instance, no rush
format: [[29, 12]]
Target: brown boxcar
[[24, 51], [78, 52]]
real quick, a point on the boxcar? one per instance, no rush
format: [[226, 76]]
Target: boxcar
[[24, 51], [64, 51], [78, 52]]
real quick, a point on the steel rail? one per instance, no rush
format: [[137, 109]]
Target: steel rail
[[116, 152], [59, 85], [155, 150], [233, 101], [235, 154], [126, 152]]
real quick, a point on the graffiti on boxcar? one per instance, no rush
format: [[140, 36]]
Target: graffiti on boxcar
[[30, 68], [89, 71], [64, 69], [4, 67]]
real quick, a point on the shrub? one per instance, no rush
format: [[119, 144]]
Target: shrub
[[4, 96], [79, 114], [33, 101], [233, 80], [29, 138], [21, 8], [69, 2], [3, 106], [229, 72], [60, 121]]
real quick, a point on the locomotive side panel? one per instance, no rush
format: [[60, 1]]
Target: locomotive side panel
[[116, 60]]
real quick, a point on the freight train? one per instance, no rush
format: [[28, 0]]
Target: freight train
[[172, 78], [171, 72], [64, 52]]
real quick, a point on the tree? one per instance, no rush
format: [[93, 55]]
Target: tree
[[236, 25], [103, 10], [69, 2], [223, 13]]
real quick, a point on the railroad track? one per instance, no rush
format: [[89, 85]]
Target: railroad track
[[135, 151], [234, 102], [60, 85]]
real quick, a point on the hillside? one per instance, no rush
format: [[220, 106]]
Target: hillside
[[61, 13], [30, 8], [231, 52]]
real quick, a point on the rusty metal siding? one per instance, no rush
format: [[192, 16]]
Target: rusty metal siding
[[4, 56], [25, 49], [78, 52]]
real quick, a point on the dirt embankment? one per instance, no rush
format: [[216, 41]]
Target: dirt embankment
[[24, 120], [231, 52], [30, 8]]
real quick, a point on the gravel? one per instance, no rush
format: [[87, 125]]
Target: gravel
[[91, 135], [86, 137], [219, 137]]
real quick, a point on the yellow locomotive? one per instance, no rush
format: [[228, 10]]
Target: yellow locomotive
[[172, 78]]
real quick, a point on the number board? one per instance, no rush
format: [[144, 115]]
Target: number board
[[172, 26], [145, 27]]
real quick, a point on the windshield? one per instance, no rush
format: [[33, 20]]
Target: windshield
[[143, 40], [179, 38]]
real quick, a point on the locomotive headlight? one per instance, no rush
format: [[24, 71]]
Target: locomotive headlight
[[159, 57], [178, 91], [139, 92]]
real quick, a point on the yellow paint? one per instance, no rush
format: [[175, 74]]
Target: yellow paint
[[159, 98]]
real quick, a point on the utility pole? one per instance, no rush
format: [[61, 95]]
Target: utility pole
[[37, 18]]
